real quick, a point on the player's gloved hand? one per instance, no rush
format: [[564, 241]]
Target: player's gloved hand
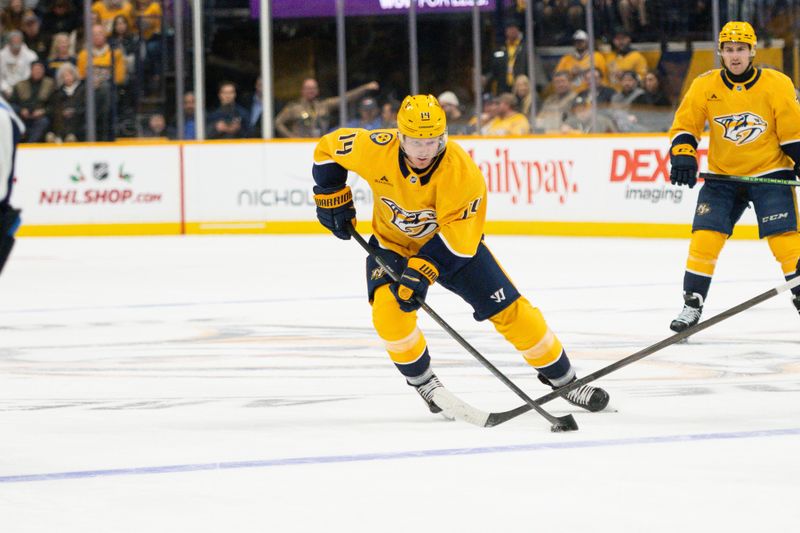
[[413, 285], [683, 158], [335, 210]]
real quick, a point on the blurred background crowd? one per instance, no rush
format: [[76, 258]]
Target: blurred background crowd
[[645, 54]]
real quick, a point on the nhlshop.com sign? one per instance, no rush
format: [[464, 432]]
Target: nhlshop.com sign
[[112, 184]]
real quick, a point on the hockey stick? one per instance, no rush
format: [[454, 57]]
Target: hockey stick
[[563, 423], [749, 179], [499, 418]]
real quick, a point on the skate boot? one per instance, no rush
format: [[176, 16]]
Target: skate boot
[[796, 302], [425, 391], [690, 315], [587, 397]]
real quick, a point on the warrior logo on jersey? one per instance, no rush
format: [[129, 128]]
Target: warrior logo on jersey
[[381, 137], [415, 224], [742, 128]]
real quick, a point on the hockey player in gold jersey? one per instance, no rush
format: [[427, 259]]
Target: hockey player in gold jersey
[[754, 121], [427, 223]]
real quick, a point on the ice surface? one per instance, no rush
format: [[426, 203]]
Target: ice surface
[[235, 384]]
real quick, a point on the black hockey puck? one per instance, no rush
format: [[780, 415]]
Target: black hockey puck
[[565, 423]]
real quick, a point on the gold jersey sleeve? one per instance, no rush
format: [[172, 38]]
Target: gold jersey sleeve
[[748, 122], [409, 208]]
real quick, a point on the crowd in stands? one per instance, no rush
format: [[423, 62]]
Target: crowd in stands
[[44, 66]]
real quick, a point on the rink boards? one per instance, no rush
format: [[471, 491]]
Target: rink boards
[[588, 185]]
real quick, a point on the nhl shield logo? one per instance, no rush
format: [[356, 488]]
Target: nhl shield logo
[[100, 170], [742, 128]]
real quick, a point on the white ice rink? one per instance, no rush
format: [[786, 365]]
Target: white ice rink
[[234, 384]]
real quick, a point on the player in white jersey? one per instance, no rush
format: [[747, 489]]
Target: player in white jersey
[[11, 130]]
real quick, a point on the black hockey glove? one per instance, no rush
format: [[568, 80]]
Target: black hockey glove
[[683, 158], [412, 288], [335, 210]]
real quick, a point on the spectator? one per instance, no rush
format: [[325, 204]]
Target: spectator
[[654, 94], [108, 10], [633, 14], [61, 17], [624, 58], [508, 120], [157, 128], [123, 38], [32, 32], [489, 112], [578, 61], [230, 120], [311, 117], [556, 17], [368, 115], [389, 115], [556, 106], [109, 73], [629, 92], [148, 20], [59, 54], [621, 102], [604, 93], [31, 100], [69, 106], [579, 119], [511, 60], [189, 129], [522, 90], [456, 122], [256, 110], [11, 16], [15, 62]]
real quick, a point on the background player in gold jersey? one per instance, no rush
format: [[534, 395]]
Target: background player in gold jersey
[[428, 218], [754, 121]]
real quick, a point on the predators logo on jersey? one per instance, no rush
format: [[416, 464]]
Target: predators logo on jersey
[[381, 137], [415, 224], [742, 128]]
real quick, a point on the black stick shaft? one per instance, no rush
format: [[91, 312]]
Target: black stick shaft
[[467, 346], [748, 179], [499, 418]]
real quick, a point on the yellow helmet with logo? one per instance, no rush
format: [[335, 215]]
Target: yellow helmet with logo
[[420, 116], [738, 32]]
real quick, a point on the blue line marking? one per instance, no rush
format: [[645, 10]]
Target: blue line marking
[[389, 456]]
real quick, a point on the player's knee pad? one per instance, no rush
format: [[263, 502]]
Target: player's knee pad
[[786, 249], [9, 222], [398, 329], [524, 326], [704, 250]]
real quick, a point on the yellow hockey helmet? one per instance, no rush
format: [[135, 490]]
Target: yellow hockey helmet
[[738, 32], [420, 116]]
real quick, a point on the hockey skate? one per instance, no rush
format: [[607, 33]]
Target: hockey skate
[[690, 315], [425, 391], [587, 397], [796, 302]]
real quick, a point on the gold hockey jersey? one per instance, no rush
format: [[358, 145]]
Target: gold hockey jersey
[[748, 122], [448, 198]]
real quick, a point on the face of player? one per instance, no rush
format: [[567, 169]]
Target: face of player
[[735, 57], [421, 152]]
